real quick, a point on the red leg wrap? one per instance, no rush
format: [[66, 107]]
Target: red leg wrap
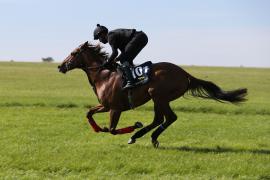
[[125, 130], [94, 125]]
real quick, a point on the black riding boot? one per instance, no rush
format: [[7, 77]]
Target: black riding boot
[[129, 77]]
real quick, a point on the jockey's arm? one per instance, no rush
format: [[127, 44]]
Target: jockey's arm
[[113, 55]]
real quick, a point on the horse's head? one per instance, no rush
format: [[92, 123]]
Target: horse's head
[[74, 60]]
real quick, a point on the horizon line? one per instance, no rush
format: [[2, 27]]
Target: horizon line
[[194, 65]]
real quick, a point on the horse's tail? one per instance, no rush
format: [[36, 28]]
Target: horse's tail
[[209, 90]]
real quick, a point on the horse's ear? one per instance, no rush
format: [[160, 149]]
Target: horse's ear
[[85, 44]]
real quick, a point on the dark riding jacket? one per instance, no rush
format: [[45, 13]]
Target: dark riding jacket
[[118, 39]]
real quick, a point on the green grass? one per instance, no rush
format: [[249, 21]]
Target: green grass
[[44, 133]]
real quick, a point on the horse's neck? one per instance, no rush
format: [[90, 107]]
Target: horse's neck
[[98, 77], [91, 74]]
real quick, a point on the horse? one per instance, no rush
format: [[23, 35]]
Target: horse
[[168, 82]]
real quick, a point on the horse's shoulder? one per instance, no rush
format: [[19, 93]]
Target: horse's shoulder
[[111, 75]]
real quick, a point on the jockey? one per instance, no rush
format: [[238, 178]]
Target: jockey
[[129, 41]]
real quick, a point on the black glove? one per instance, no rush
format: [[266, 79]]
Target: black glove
[[116, 59], [106, 64]]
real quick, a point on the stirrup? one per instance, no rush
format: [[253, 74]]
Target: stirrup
[[128, 86]]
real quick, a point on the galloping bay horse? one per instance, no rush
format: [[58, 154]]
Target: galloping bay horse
[[168, 82]]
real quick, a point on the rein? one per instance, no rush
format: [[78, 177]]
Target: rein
[[97, 68], [93, 68]]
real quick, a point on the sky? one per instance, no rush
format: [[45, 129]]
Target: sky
[[184, 32]]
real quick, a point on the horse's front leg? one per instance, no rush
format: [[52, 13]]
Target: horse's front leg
[[97, 109], [114, 118]]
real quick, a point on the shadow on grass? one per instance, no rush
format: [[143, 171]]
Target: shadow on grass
[[216, 150], [67, 105]]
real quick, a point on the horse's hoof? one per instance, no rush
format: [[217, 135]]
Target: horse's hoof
[[155, 143], [131, 141], [138, 125], [105, 129]]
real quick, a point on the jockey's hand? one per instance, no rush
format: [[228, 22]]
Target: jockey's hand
[[106, 64], [116, 59]]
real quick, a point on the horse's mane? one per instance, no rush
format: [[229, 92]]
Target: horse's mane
[[97, 50]]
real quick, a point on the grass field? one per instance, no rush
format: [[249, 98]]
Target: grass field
[[44, 133]]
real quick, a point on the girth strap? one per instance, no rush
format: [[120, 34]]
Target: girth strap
[[131, 105]]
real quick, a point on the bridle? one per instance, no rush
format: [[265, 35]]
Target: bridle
[[94, 68]]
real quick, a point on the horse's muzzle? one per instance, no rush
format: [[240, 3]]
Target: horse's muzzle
[[62, 69]]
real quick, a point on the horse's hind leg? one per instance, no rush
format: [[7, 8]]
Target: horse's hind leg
[[170, 118], [158, 119]]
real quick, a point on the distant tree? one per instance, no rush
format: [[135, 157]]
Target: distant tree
[[47, 59]]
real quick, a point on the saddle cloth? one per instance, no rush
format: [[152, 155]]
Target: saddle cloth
[[141, 73]]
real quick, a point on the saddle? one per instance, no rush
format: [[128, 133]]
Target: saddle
[[140, 73]]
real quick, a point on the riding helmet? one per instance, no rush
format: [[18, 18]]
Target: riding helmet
[[98, 30]]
